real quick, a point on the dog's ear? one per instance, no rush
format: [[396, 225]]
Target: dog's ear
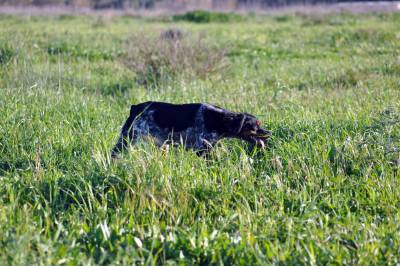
[[237, 123]]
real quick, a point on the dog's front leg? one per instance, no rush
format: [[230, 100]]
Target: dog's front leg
[[203, 146]]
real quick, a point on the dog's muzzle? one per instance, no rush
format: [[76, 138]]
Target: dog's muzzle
[[259, 138]]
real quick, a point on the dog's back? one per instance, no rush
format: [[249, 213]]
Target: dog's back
[[174, 117]]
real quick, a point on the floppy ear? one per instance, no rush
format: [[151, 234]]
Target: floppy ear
[[237, 123]]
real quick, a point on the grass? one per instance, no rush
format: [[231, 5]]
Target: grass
[[326, 191], [202, 16]]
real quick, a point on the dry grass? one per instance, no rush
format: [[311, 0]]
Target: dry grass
[[172, 53]]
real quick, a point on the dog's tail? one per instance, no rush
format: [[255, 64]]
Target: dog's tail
[[127, 132]]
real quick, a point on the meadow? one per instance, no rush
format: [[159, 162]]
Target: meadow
[[326, 191]]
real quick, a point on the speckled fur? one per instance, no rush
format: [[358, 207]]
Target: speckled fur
[[196, 137], [201, 125]]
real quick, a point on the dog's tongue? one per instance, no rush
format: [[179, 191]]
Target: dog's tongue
[[260, 143]]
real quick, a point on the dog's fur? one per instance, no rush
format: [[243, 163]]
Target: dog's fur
[[195, 125]]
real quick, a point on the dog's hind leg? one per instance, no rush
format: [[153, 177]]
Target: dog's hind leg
[[123, 142], [128, 134]]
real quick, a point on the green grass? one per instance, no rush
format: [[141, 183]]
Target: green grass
[[326, 192], [202, 16]]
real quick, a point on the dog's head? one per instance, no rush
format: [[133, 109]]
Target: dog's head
[[248, 127]]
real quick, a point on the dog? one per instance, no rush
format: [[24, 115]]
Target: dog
[[198, 126]]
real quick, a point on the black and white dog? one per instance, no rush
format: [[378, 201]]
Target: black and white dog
[[194, 125]]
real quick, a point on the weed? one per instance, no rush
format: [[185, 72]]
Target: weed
[[159, 59]]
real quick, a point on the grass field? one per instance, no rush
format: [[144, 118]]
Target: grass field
[[326, 191]]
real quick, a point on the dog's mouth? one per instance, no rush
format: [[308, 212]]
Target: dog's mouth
[[259, 138]]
